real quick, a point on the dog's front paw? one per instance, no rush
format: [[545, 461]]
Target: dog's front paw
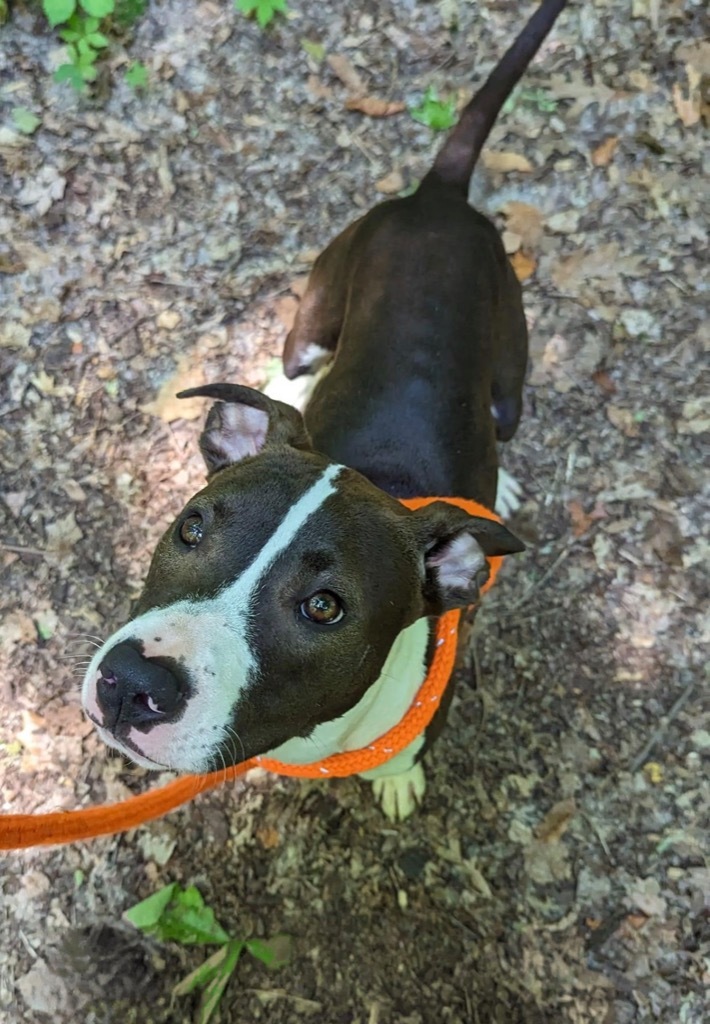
[[400, 795], [509, 495]]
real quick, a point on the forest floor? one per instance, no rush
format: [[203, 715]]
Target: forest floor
[[557, 871]]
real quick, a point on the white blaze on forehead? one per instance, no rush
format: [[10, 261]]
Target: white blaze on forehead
[[209, 637], [306, 505]]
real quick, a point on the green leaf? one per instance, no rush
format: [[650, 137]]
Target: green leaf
[[86, 54], [265, 10], [69, 35], [97, 40], [313, 49], [70, 73], [90, 25], [147, 913], [78, 878], [215, 988], [203, 974], [275, 952], [137, 75], [435, 113], [27, 123], [58, 11], [98, 8], [179, 915]]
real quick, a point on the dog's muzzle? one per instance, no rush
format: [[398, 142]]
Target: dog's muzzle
[[135, 691]]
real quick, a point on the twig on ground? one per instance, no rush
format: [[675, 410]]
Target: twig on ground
[[665, 722]]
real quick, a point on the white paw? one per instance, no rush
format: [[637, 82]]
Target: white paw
[[293, 392], [400, 795], [510, 494]]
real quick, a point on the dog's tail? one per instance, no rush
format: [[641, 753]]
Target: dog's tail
[[457, 158]]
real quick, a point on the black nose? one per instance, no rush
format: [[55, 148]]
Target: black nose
[[136, 691]]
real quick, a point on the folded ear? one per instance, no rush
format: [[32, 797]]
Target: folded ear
[[243, 423], [454, 548]]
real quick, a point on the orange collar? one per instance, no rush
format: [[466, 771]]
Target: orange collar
[[18, 831]]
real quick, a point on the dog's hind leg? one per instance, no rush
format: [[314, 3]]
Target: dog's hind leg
[[312, 340]]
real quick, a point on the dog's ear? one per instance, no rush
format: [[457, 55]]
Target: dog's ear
[[454, 547], [244, 422]]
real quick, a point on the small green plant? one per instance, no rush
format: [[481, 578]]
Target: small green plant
[[137, 75], [435, 113], [263, 10], [25, 121], [537, 98], [181, 915], [82, 36]]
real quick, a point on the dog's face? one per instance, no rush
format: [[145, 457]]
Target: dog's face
[[273, 600]]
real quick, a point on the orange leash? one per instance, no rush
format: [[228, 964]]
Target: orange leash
[[19, 831]]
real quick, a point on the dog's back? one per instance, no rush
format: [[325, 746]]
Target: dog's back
[[419, 299]]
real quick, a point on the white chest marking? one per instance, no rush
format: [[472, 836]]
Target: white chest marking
[[382, 706]]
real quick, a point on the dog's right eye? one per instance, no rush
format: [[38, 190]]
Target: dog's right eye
[[192, 530]]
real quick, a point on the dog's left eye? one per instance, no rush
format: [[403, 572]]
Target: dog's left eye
[[323, 608], [192, 530]]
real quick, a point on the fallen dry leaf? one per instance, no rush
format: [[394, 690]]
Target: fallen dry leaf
[[602, 379], [168, 320], [347, 74], [390, 184], [318, 89], [623, 420], [581, 520], [167, 407], [505, 162], [269, 837], [63, 534], [524, 265], [604, 152], [524, 220], [373, 106], [688, 107], [554, 825], [582, 265]]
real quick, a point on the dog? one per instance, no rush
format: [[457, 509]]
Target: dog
[[289, 609]]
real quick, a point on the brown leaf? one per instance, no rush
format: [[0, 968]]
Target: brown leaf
[[574, 270], [269, 837], [580, 520], [623, 420], [604, 153], [505, 162], [318, 89], [167, 407], [688, 108], [602, 379], [390, 184], [347, 74], [526, 221], [373, 106], [554, 824], [524, 265]]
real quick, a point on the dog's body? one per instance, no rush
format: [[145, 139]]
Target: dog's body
[[288, 610]]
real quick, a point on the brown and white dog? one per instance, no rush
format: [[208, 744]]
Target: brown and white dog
[[289, 608]]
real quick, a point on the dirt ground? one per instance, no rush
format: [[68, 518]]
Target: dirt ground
[[558, 869]]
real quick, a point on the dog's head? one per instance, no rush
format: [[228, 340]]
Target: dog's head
[[273, 600]]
